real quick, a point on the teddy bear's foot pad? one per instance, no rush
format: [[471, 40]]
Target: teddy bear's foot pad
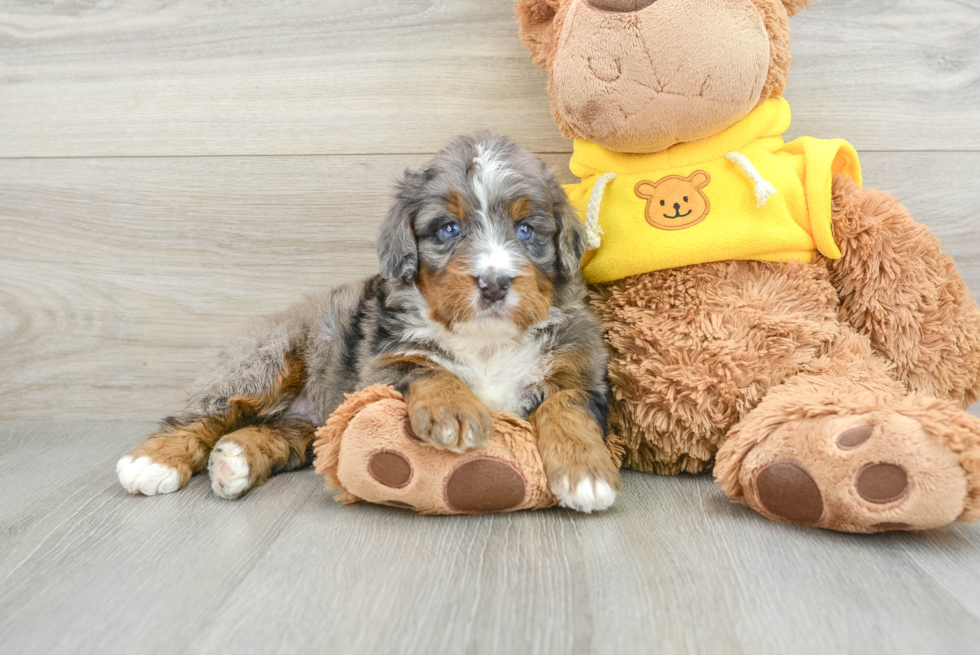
[[475, 485], [380, 460], [786, 490], [883, 473], [485, 484]]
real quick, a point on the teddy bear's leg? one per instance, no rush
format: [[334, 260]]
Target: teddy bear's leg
[[897, 287], [369, 450], [843, 447]]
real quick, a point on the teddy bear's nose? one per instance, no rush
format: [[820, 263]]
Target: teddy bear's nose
[[621, 5], [677, 206]]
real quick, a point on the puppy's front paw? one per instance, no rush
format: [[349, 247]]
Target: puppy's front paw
[[446, 414], [229, 470], [144, 476], [585, 493]]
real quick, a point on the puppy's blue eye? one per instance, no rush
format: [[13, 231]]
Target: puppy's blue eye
[[524, 232], [450, 230]]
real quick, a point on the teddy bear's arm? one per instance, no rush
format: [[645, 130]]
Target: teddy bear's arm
[[899, 288]]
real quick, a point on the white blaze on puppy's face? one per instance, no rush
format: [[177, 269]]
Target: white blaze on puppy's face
[[495, 259], [495, 254], [490, 173], [477, 271]]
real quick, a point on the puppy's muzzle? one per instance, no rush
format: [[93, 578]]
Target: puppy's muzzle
[[493, 288]]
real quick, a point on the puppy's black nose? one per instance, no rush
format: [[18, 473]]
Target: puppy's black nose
[[493, 288]]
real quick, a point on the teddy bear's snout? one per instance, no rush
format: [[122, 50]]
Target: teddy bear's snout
[[621, 5]]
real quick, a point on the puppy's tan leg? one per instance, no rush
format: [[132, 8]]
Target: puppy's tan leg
[[442, 409], [245, 459], [580, 469], [446, 413], [166, 461]]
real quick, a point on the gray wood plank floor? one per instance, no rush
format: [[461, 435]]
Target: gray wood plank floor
[[674, 567]]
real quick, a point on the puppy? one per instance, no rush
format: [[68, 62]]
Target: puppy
[[479, 306]]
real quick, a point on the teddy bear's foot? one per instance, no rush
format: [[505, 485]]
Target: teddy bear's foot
[[901, 466], [370, 450]]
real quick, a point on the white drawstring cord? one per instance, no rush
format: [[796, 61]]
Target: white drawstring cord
[[592, 229], [763, 189]]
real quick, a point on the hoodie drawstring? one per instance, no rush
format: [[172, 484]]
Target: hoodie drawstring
[[592, 229], [763, 189]]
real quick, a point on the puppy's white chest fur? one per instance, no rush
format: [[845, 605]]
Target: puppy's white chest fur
[[498, 364]]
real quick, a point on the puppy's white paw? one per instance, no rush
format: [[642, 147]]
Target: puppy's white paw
[[589, 495], [144, 476], [228, 469]]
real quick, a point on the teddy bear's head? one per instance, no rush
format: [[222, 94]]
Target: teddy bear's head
[[642, 75]]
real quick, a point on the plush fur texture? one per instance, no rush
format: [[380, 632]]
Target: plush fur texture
[[480, 307], [375, 420], [673, 71], [825, 394]]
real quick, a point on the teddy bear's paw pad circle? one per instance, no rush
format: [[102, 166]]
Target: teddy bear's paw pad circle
[[854, 437], [485, 484], [788, 491], [882, 482], [390, 469]]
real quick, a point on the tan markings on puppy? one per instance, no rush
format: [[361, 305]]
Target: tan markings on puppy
[[534, 290], [520, 208], [571, 442], [185, 447], [446, 413], [456, 205], [566, 370], [288, 384], [269, 449], [449, 293], [182, 448]]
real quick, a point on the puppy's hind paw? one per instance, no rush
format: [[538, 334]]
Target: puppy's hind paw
[[229, 470], [590, 494], [144, 476]]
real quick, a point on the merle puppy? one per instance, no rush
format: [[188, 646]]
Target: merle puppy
[[479, 306]]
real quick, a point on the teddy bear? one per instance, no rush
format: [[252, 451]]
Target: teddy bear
[[769, 319], [368, 451]]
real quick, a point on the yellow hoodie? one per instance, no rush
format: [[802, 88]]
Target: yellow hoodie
[[741, 194]]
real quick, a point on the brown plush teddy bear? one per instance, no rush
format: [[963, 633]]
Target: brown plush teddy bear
[[367, 450], [767, 315]]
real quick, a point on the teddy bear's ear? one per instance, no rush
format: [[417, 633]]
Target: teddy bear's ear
[[644, 189], [699, 179], [536, 18], [793, 7]]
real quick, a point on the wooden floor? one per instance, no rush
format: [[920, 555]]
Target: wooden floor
[[169, 167], [674, 567]]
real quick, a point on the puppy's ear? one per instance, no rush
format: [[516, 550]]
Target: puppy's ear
[[537, 30], [398, 253], [570, 237]]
